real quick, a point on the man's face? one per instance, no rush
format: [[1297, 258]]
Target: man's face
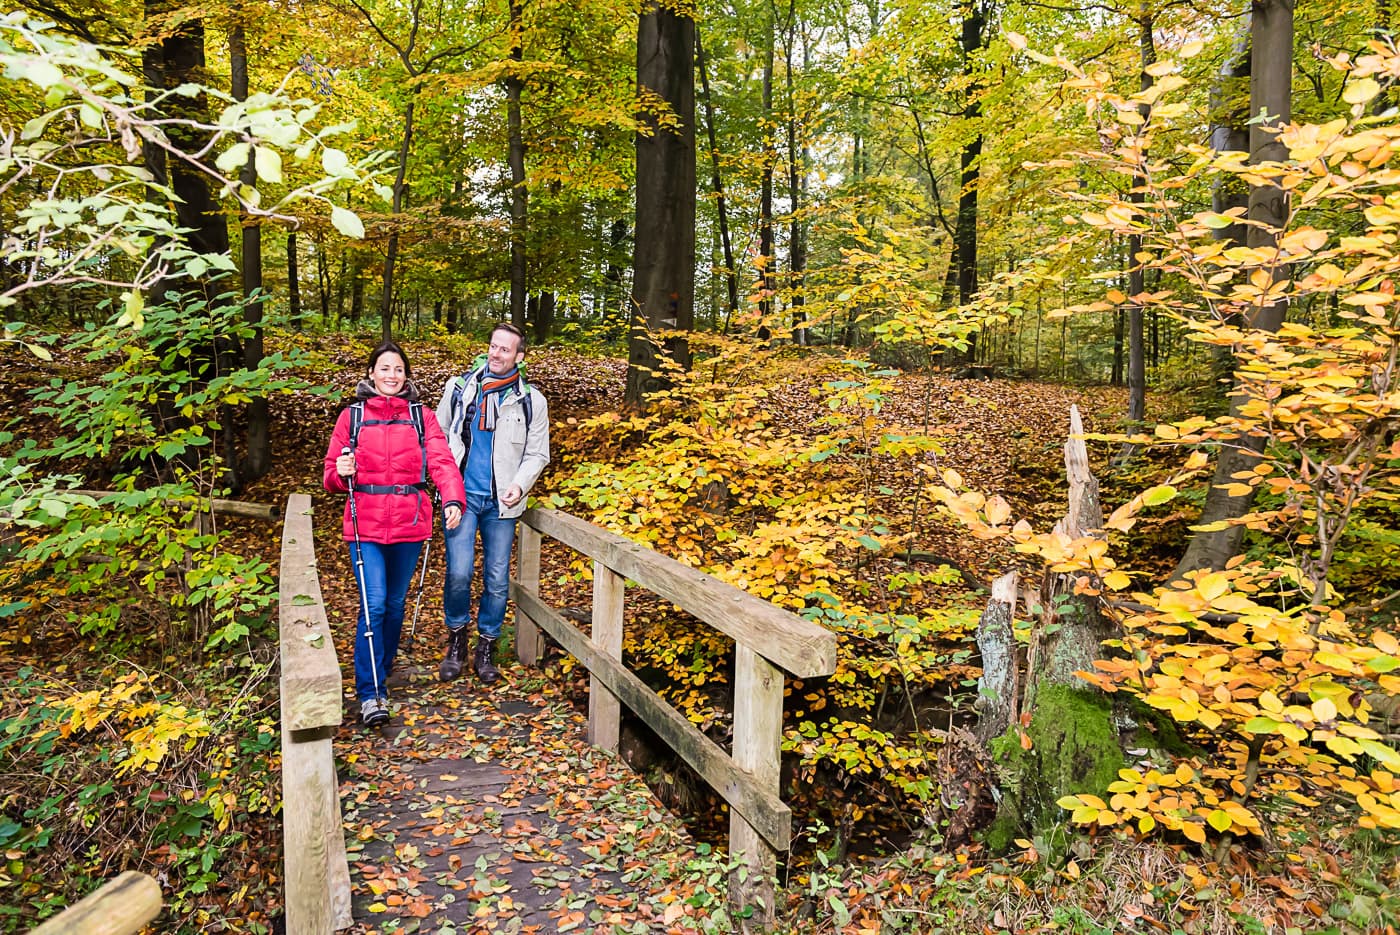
[[504, 352]]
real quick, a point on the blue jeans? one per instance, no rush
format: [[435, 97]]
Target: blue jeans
[[482, 517], [388, 571]]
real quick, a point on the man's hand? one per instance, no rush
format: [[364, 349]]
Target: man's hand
[[512, 495], [452, 516]]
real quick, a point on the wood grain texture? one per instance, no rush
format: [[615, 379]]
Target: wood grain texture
[[311, 685], [121, 906]]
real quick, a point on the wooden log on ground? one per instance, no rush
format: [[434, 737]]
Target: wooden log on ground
[[121, 906], [268, 511]]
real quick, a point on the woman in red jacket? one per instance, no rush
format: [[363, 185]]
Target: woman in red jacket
[[382, 453]]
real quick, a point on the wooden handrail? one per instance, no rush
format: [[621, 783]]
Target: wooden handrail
[[313, 835], [766, 637], [121, 906]]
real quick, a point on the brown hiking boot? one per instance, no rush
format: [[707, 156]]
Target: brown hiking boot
[[456, 655]]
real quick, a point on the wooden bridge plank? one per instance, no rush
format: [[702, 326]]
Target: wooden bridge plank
[[799, 646], [121, 906], [761, 808]]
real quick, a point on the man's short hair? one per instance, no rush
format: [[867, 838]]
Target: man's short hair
[[511, 329]]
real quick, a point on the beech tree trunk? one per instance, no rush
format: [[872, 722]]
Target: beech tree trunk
[[663, 278], [519, 194], [797, 182], [731, 272], [1270, 94], [766, 247], [257, 456], [970, 165]]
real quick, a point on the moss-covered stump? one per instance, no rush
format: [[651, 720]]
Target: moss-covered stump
[[1073, 748]]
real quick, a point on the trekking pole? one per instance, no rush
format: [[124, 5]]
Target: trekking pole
[[422, 576], [360, 576]]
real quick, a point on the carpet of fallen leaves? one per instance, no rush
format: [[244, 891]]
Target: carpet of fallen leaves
[[485, 810]]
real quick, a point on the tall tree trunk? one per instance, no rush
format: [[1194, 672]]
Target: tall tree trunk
[[766, 249], [257, 459], [357, 290], [663, 278], [1137, 350], [323, 280], [1270, 95], [797, 177], [1229, 132], [519, 194], [731, 272], [294, 280], [391, 252], [545, 307], [970, 167]]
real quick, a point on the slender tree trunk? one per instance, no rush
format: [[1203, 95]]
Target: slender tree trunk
[[766, 249], [1137, 351], [323, 280], [797, 177], [663, 279], [731, 272], [391, 252], [294, 280], [970, 168], [257, 459], [519, 193], [1270, 104]]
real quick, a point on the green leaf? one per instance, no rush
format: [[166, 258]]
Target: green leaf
[[1155, 496], [315, 639], [43, 74], [334, 161], [232, 158], [1219, 820], [303, 600], [348, 223], [268, 162]]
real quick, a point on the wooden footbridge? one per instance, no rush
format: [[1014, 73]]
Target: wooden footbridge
[[455, 822]]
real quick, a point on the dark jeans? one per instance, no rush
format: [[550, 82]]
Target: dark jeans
[[388, 572], [482, 518]]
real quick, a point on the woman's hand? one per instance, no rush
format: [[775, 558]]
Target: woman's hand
[[345, 465], [451, 516]]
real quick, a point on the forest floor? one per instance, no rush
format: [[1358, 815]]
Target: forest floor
[[1002, 436]]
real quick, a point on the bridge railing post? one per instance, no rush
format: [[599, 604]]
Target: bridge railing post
[[604, 708], [121, 906], [757, 749], [529, 640]]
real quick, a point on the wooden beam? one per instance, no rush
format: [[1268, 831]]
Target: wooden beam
[[760, 806], [604, 708], [121, 906], [529, 642], [799, 646], [311, 683], [268, 511]]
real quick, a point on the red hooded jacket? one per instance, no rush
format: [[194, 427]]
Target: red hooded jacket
[[390, 455]]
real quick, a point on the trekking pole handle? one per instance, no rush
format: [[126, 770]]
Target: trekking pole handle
[[343, 452]]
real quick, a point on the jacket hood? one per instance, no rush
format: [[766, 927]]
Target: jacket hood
[[365, 390]]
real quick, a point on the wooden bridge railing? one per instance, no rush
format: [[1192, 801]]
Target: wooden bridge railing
[[121, 906], [316, 873], [768, 638]]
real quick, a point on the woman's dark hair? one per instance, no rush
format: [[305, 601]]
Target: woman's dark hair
[[389, 347]]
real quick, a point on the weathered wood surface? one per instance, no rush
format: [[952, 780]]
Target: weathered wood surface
[[758, 738], [489, 810], [797, 645], [317, 890], [121, 906], [310, 672], [529, 641], [998, 687], [761, 808], [268, 511], [604, 708]]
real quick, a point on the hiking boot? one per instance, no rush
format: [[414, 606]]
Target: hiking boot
[[484, 661], [456, 655], [373, 712]]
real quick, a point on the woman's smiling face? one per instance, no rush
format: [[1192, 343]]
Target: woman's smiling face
[[388, 374]]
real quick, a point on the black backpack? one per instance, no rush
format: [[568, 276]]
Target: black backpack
[[415, 418]]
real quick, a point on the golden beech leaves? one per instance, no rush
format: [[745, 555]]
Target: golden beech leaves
[[1262, 664]]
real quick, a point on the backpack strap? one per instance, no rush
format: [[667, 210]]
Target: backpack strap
[[415, 416]]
